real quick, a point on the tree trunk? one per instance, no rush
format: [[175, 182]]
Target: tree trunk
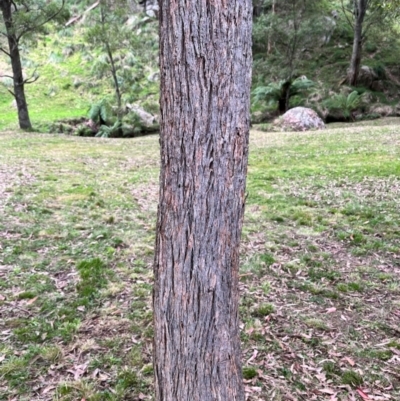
[[282, 106], [284, 100], [109, 52], [360, 9], [257, 8], [205, 64], [18, 78], [115, 78], [270, 44]]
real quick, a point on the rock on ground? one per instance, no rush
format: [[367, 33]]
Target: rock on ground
[[146, 118], [300, 119]]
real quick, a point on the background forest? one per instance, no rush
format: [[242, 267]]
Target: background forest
[[91, 69]]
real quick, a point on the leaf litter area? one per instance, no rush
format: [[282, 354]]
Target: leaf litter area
[[319, 280]]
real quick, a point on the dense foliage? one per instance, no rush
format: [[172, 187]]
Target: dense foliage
[[304, 54]]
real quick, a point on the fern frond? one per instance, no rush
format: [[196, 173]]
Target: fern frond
[[299, 85], [94, 112], [353, 100]]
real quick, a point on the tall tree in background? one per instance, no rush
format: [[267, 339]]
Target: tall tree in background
[[360, 10], [23, 19], [361, 14], [205, 66], [109, 32]]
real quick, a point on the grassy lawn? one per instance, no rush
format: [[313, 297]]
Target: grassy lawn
[[53, 97], [320, 304]]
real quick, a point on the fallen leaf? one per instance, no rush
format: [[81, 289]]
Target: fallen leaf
[[255, 352], [31, 301], [79, 371], [363, 395], [327, 391], [103, 377], [47, 389], [62, 284], [349, 360]]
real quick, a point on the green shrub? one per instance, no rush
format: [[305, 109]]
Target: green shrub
[[113, 131], [84, 130], [101, 113], [344, 104]]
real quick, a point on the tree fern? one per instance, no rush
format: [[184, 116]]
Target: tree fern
[[270, 93], [101, 113], [299, 85], [281, 91], [345, 104], [110, 132]]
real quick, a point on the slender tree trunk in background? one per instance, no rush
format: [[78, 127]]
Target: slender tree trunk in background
[[115, 78], [360, 9], [205, 65], [18, 78], [111, 57], [270, 44], [284, 99], [282, 105]]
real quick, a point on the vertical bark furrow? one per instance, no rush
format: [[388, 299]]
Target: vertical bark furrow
[[205, 64]]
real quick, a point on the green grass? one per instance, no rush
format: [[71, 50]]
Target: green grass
[[53, 96], [67, 84], [318, 275]]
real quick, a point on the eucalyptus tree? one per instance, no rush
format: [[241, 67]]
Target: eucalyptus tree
[[361, 14], [205, 68], [357, 16], [23, 20]]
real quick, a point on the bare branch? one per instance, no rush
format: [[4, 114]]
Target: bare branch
[[14, 4], [12, 93], [345, 14], [33, 78], [7, 76], [372, 19], [5, 52]]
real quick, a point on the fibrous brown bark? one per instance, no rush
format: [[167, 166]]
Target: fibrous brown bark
[[205, 65], [18, 78], [360, 9]]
